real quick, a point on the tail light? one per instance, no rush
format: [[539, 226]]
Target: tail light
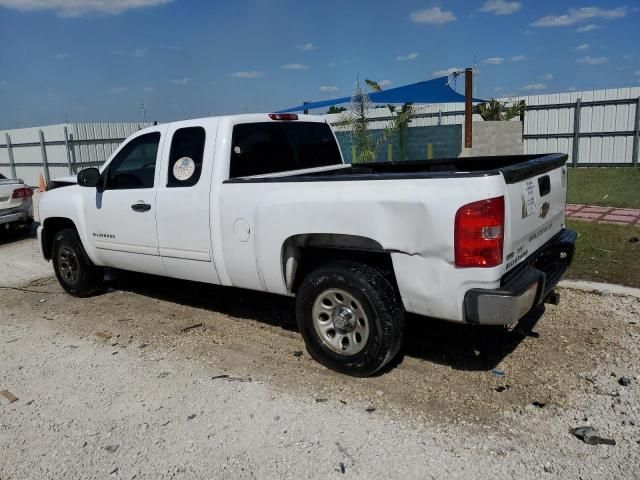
[[22, 193], [479, 233], [283, 116]]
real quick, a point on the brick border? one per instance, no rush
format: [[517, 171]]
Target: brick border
[[610, 215]]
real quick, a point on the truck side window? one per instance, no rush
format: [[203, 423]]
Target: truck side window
[[270, 147], [185, 157], [135, 165]]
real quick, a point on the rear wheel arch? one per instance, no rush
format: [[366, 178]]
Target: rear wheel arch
[[301, 254]]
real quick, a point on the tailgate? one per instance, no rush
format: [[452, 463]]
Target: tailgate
[[536, 198]]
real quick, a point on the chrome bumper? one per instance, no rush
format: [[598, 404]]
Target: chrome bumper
[[8, 218], [523, 288]]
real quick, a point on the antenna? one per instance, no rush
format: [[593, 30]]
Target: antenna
[[144, 112]]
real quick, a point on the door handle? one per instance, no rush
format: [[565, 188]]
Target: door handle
[[140, 207]]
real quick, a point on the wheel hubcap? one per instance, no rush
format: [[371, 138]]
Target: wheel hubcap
[[68, 265], [340, 321]]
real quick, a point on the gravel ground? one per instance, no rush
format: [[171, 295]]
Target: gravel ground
[[118, 386]]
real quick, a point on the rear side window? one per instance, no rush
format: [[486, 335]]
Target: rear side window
[[185, 157], [270, 147]]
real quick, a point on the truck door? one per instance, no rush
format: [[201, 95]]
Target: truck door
[[184, 204], [121, 219]]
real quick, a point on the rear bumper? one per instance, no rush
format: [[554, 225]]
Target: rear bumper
[[13, 217], [524, 287]]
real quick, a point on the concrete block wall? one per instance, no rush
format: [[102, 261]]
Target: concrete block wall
[[495, 138]]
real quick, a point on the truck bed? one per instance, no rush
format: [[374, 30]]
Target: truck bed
[[515, 168]]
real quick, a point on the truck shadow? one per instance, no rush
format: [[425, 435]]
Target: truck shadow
[[462, 347], [16, 234]]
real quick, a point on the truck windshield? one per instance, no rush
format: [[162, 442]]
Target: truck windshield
[[270, 147]]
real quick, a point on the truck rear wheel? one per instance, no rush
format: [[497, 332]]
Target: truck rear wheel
[[74, 269], [350, 317]]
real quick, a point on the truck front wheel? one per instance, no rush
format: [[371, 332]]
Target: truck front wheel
[[74, 269], [350, 317]]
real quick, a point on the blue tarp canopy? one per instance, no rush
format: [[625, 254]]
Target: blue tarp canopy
[[430, 91]]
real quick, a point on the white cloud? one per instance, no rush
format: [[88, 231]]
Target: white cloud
[[433, 16], [62, 56], [518, 58], [77, 8], [247, 75], [584, 46], [546, 76], [588, 28], [447, 72], [493, 60], [328, 88], [501, 7], [119, 89], [140, 52], [589, 60], [181, 81], [572, 89], [294, 66], [533, 87], [385, 83], [411, 56], [148, 89], [577, 15], [305, 47], [497, 89], [331, 64]]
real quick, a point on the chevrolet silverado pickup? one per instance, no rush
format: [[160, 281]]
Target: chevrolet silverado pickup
[[265, 202], [16, 207]]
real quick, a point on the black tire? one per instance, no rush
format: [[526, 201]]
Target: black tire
[[372, 292], [74, 269]]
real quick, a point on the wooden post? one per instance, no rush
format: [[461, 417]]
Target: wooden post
[[468, 108], [430, 151], [390, 152], [66, 147]]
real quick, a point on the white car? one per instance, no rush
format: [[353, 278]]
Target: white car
[[16, 206], [265, 202]]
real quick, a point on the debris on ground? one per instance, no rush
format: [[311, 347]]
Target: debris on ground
[[191, 417], [112, 448], [634, 240], [163, 375], [230, 379], [297, 353], [624, 381], [321, 400], [502, 388], [370, 409], [8, 395], [538, 404], [191, 327], [104, 335], [589, 436], [498, 373]]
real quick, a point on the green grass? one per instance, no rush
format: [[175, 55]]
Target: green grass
[[606, 186], [605, 253]]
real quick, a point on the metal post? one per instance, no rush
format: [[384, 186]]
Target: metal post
[[439, 117], [636, 135], [305, 111], [468, 108], [45, 163], [72, 148], [66, 147], [576, 134], [12, 162]]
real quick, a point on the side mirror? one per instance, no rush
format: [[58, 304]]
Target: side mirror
[[89, 177]]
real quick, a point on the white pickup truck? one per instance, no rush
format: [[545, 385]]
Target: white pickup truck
[[16, 206], [265, 202]]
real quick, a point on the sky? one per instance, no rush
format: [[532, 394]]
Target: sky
[[98, 60]]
